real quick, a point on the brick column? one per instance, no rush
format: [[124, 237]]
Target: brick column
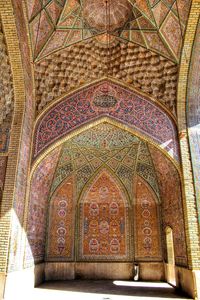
[[190, 207], [11, 36]]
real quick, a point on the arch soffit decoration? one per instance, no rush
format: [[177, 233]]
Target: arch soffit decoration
[[84, 128], [98, 172], [92, 124], [101, 116]]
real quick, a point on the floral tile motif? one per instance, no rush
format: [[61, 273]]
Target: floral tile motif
[[130, 109]]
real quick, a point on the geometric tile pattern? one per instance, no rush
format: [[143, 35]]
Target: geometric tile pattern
[[145, 168], [104, 145], [157, 25], [109, 100], [114, 155]]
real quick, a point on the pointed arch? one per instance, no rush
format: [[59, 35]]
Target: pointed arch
[[103, 214], [92, 124], [148, 186], [113, 175], [106, 99]]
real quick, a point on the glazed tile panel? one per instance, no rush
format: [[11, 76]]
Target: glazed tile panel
[[37, 211], [104, 227], [172, 207], [111, 100], [61, 223], [105, 145], [87, 185], [147, 223]]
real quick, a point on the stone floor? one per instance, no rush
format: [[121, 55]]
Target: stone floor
[[104, 290]]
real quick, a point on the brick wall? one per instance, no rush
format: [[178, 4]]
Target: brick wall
[[13, 201], [190, 209], [18, 83]]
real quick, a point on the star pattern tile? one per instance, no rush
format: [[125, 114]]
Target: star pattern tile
[[154, 24]]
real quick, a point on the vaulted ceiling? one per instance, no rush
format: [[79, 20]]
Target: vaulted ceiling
[[136, 42], [105, 146], [154, 24], [76, 42]]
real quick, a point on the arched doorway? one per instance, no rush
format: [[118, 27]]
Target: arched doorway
[[73, 237]]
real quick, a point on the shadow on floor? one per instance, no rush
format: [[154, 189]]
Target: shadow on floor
[[109, 289]]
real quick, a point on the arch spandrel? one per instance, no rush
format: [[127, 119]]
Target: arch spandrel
[[106, 100]]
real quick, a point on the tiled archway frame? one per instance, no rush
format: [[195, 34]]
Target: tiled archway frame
[[109, 100], [43, 163]]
